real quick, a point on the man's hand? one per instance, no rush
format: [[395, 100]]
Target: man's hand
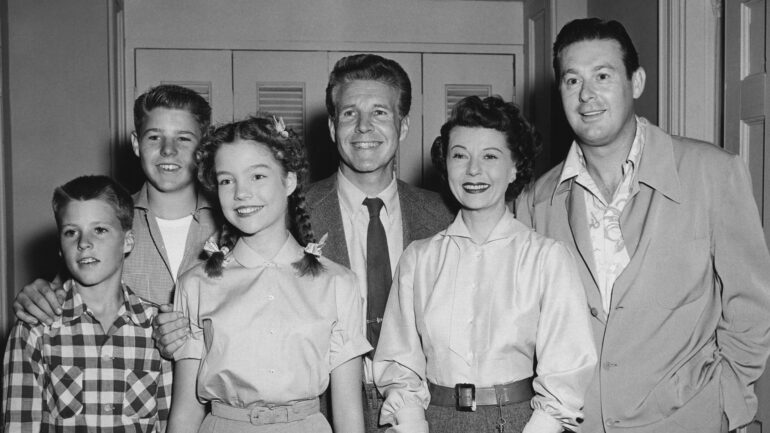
[[170, 330], [39, 301]]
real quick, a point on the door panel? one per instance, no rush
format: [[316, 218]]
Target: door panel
[[290, 84], [448, 76], [409, 159], [207, 71], [747, 99]]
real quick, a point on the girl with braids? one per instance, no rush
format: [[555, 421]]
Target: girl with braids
[[271, 320]]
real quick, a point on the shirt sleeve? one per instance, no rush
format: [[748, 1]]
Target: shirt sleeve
[[399, 362], [564, 345], [23, 381], [347, 340], [742, 264], [187, 300], [163, 396]]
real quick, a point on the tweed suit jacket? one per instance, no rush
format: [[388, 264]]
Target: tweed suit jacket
[[688, 330], [423, 214]]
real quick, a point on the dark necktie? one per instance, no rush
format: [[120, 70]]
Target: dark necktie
[[378, 277]]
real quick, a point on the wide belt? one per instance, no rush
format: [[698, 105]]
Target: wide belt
[[465, 396], [260, 415]]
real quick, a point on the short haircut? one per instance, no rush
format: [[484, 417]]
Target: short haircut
[[589, 29], [374, 68], [493, 113], [95, 187], [172, 97]]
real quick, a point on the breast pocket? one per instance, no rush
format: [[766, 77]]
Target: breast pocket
[[66, 388], [139, 400], [683, 273]]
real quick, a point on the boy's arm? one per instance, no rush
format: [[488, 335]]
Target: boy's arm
[[186, 412], [170, 330], [39, 301], [346, 397], [22, 381]]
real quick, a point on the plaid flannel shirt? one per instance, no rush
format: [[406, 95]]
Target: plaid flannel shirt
[[73, 377]]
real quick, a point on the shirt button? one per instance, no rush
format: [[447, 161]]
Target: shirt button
[[608, 365], [272, 371], [594, 312], [270, 297], [107, 408], [272, 331], [610, 422]]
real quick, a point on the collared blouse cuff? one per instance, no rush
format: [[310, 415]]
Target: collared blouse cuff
[[352, 348], [542, 422], [412, 427], [193, 347]]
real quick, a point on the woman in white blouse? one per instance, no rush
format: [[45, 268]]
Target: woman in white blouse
[[480, 308]]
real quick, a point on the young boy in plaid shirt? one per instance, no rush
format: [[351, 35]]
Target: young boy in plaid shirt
[[95, 367]]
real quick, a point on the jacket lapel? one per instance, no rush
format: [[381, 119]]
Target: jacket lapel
[[644, 216], [326, 217]]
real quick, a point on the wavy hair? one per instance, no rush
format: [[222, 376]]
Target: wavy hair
[[287, 149], [493, 113]]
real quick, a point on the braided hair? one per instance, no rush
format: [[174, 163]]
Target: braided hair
[[287, 149]]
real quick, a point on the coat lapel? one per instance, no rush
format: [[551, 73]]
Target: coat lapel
[[326, 217], [645, 215]]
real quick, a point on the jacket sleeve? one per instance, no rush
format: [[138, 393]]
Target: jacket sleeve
[[523, 205], [742, 265]]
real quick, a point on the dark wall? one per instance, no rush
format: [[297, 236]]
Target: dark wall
[[640, 19], [58, 120]]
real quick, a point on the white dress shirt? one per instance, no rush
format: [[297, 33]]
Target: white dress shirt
[[355, 222]]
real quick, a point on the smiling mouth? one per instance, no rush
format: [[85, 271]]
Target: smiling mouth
[[245, 211], [475, 188], [365, 145], [592, 113], [169, 167], [87, 261]]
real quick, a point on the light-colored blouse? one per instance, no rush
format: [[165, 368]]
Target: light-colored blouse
[[461, 312], [263, 333]]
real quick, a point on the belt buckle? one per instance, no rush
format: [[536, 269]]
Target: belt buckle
[[465, 393]]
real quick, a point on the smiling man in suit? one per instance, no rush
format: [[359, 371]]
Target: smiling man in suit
[[669, 247], [370, 215]]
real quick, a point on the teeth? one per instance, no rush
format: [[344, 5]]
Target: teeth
[[168, 167], [247, 210], [87, 260], [475, 187], [366, 144]]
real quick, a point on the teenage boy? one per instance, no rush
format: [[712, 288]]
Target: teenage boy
[[94, 367], [172, 219]]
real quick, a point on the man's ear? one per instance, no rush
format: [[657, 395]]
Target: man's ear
[[332, 130], [128, 242], [135, 143], [638, 79], [291, 183], [404, 128]]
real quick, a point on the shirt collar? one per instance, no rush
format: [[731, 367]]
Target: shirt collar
[[247, 257], [352, 198], [505, 228], [142, 201], [134, 308], [575, 164]]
